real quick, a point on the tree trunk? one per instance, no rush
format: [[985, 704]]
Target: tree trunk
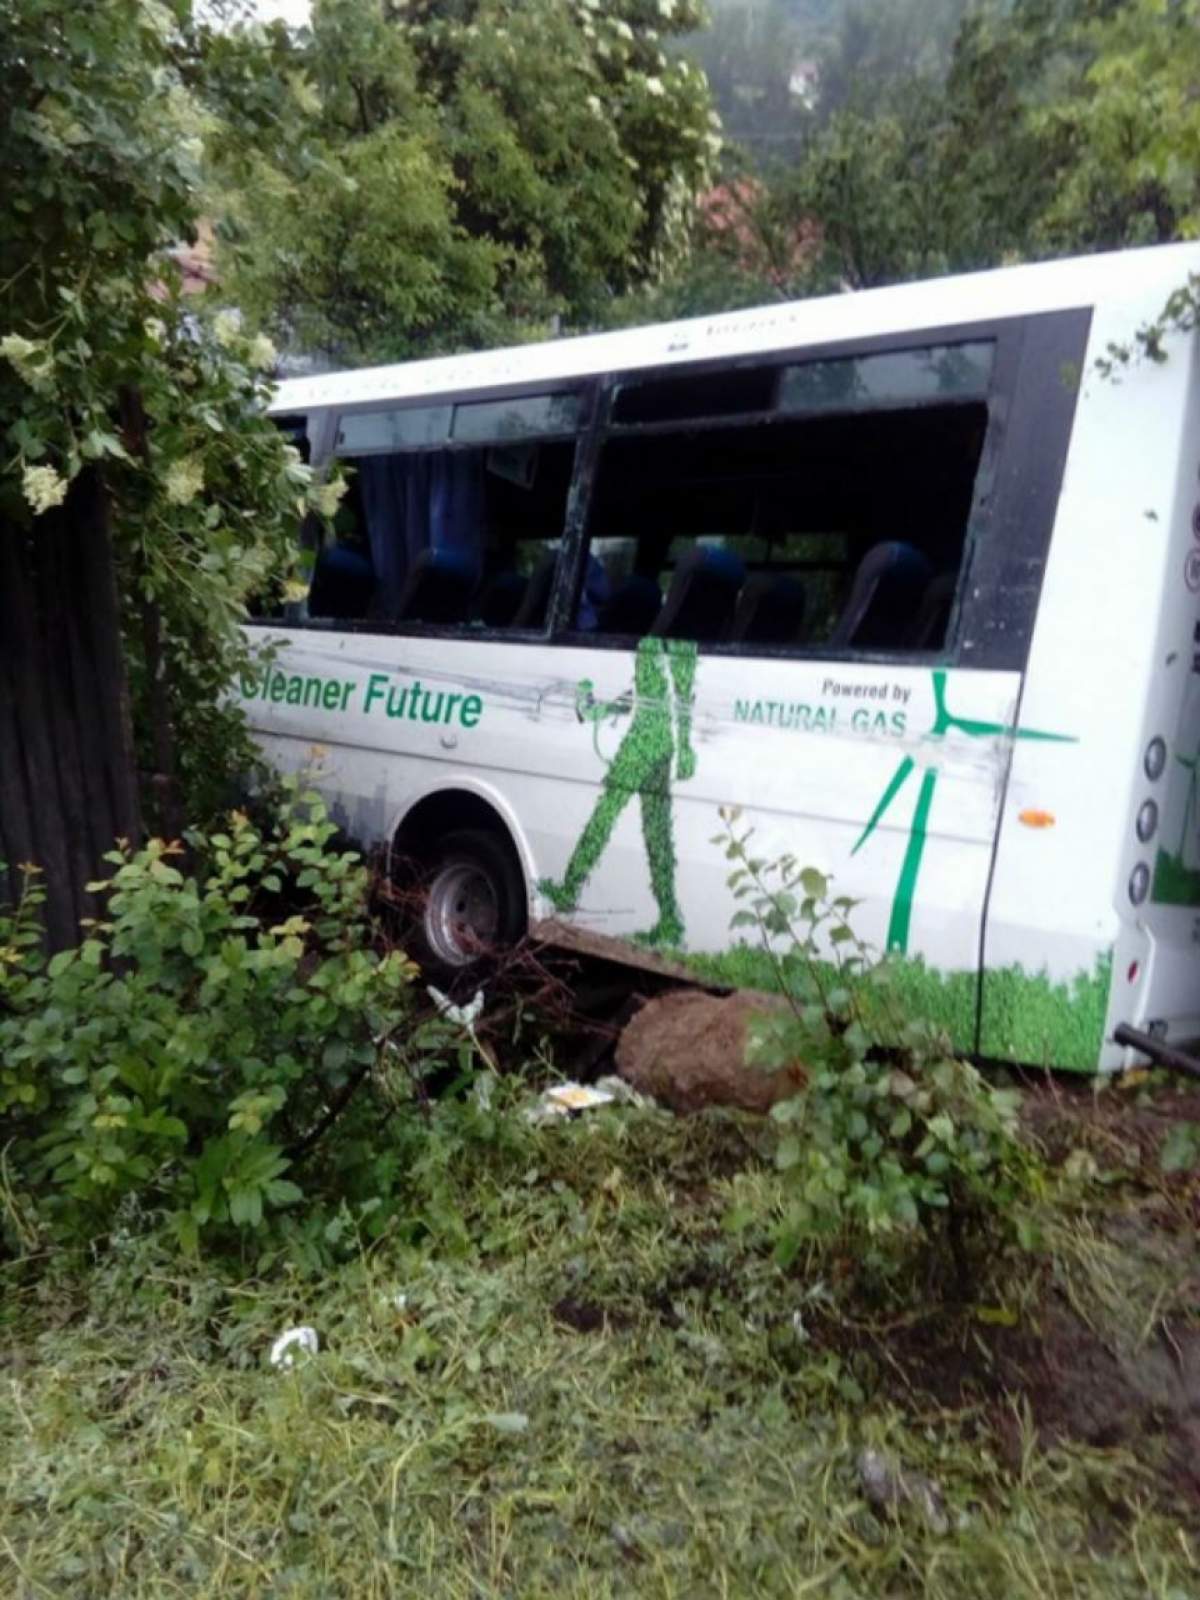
[[68, 783], [163, 797]]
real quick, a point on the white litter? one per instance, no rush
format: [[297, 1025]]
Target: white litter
[[462, 1016], [483, 1090], [507, 1421], [565, 1099], [292, 1340]]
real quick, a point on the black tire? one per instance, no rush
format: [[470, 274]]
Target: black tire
[[471, 903]]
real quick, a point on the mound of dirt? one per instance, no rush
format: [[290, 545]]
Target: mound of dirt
[[688, 1050], [1096, 1379]]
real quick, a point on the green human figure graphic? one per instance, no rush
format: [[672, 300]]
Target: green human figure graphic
[[906, 887], [657, 739]]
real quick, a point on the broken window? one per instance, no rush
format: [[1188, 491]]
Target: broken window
[[835, 516], [454, 514]]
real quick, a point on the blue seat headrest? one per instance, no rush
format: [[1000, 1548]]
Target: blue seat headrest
[[720, 562], [886, 592]]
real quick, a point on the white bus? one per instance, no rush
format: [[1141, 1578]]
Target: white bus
[[901, 574]]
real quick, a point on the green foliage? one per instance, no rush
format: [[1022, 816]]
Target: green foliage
[[1181, 1148], [868, 47], [949, 138], [465, 174], [1125, 123], [189, 1053], [748, 53], [593, 1390], [108, 108], [892, 1135]]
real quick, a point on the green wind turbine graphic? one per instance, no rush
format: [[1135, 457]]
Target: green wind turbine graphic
[[1190, 765], [943, 722]]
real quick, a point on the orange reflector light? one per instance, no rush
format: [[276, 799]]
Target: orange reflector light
[[1037, 819]]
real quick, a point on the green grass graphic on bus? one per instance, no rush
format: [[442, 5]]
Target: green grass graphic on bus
[[659, 738], [1026, 1016], [944, 720]]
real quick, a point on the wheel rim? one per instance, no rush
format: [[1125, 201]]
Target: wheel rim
[[462, 913]]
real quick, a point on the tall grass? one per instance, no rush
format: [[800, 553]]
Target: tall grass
[[577, 1382]]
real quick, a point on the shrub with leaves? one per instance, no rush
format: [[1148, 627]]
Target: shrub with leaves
[[892, 1136], [189, 1057], [111, 377]]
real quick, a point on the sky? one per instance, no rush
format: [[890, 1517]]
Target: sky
[[293, 12]]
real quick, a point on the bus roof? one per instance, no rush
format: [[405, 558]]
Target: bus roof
[[1080, 281]]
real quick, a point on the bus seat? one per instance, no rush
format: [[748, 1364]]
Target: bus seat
[[632, 607], [531, 613], [928, 631], [595, 594], [438, 588], [703, 593], [500, 599], [886, 593], [770, 610], [343, 583]]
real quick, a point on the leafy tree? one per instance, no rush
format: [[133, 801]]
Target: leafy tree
[[198, 1046], [870, 48], [123, 419], [1124, 129], [458, 172], [1055, 126], [748, 52]]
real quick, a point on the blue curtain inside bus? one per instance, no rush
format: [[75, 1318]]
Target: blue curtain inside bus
[[430, 500]]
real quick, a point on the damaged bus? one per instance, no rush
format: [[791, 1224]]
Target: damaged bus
[[909, 576]]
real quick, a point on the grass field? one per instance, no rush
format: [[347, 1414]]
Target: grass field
[[570, 1377]]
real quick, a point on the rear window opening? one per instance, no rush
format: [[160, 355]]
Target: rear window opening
[[845, 531]]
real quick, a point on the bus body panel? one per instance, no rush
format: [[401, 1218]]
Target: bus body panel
[[985, 816], [809, 752], [1110, 662]]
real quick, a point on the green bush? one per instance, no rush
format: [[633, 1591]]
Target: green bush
[[892, 1137], [203, 1053]]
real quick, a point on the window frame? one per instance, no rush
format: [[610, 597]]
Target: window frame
[[1030, 414], [329, 424]]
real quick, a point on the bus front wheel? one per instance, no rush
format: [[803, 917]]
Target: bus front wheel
[[472, 901]]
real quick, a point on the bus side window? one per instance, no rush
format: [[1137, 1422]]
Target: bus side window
[[466, 534], [837, 520]]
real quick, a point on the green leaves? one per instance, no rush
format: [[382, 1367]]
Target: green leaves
[[1181, 1148], [889, 1134], [105, 370], [173, 1060], [450, 177]]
